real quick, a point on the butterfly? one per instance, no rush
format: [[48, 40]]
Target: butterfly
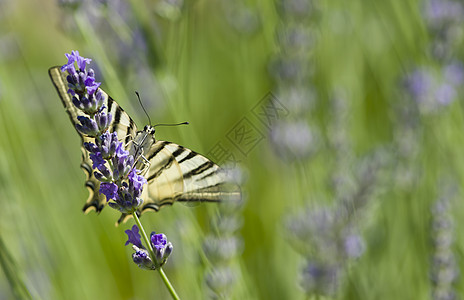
[[174, 173]]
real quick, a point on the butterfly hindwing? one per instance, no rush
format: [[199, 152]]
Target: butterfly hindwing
[[179, 174], [121, 123]]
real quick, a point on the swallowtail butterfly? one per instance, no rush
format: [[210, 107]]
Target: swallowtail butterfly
[[174, 174]]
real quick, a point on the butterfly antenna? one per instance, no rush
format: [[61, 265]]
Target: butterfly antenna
[[140, 101], [183, 123]]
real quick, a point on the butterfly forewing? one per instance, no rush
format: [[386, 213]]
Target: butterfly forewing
[[121, 123]]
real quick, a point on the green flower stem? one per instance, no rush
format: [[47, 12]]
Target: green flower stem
[[152, 255], [168, 284]]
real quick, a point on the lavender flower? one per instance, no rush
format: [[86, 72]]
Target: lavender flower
[[293, 140], [109, 189], [444, 20], [133, 237], [142, 259], [72, 58], [320, 278], [103, 121], [221, 282], [161, 247], [120, 181], [220, 249], [295, 8], [136, 180], [224, 245], [440, 13], [443, 271], [354, 245], [127, 199], [88, 126], [433, 89]]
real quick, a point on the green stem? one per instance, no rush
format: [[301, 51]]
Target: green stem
[[166, 281], [168, 284], [144, 235]]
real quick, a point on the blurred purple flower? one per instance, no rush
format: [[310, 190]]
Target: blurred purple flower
[[221, 281], [354, 245], [454, 73], [293, 140], [431, 90], [419, 84], [445, 94], [440, 12], [320, 278], [444, 272]]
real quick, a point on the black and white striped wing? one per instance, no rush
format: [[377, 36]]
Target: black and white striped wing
[[121, 123], [180, 174]]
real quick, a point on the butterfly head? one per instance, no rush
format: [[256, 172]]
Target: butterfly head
[[149, 129]]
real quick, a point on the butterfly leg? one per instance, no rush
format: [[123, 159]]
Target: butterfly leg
[[145, 163], [142, 164]]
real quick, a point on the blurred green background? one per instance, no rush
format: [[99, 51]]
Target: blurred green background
[[214, 64]]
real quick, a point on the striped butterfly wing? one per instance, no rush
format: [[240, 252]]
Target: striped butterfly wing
[[121, 123], [179, 174]]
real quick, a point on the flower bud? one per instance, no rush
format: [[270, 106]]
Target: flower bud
[[142, 259]]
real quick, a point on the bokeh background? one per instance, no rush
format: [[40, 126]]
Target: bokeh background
[[342, 120]]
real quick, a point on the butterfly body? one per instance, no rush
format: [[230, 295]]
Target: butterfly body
[[174, 173], [143, 141], [140, 146]]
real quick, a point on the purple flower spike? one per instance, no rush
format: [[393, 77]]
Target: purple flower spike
[[107, 144], [70, 65], [122, 190], [133, 237], [92, 88], [97, 160], [142, 259], [161, 248], [75, 57], [137, 180], [82, 84], [120, 152], [126, 202], [88, 126], [122, 166], [103, 121], [158, 240], [110, 190], [445, 94], [454, 73], [104, 175], [91, 147]]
